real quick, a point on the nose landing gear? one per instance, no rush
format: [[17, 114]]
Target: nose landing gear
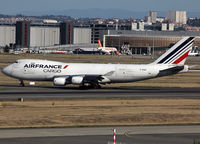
[[21, 83]]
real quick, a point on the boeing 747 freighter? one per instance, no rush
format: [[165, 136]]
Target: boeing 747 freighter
[[61, 74]]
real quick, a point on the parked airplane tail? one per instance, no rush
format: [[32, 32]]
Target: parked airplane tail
[[100, 46], [177, 54]]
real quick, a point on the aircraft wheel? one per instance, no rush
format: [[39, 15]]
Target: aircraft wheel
[[96, 86], [22, 83], [90, 86]]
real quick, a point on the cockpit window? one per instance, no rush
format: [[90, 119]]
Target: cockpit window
[[16, 61]]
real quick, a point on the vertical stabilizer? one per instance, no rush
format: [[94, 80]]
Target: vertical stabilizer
[[177, 54], [100, 46]]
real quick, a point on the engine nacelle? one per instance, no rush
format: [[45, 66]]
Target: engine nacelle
[[77, 80], [59, 81]]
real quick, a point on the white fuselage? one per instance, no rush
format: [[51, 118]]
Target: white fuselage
[[44, 70]]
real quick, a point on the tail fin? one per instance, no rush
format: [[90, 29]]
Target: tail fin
[[100, 46], [177, 54]]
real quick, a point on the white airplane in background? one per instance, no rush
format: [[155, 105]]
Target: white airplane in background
[[194, 54], [171, 62], [107, 50], [194, 51]]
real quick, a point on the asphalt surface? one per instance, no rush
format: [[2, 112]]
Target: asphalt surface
[[100, 135], [11, 92]]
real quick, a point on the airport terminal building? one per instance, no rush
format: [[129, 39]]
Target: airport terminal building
[[25, 34], [144, 42]]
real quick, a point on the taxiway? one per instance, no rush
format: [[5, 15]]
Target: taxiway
[[99, 135], [48, 92]]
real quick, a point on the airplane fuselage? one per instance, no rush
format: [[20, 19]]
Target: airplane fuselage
[[44, 70]]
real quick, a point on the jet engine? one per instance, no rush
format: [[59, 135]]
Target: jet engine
[[59, 81], [77, 80]]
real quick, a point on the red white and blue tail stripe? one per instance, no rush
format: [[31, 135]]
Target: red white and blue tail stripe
[[177, 54]]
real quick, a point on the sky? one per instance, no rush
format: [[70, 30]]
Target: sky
[[19, 6]]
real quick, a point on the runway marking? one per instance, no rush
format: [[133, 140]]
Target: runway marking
[[127, 134]]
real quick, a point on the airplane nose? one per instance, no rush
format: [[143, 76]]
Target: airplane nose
[[7, 70]]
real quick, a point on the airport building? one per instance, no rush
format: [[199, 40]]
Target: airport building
[[99, 30], [65, 36], [146, 42], [7, 34], [66, 33], [44, 35], [25, 34], [82, 35]]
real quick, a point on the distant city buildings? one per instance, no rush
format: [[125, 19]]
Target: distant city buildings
[[137, 26], [152, 17], [160, 19], [167, 27], [177, 17]]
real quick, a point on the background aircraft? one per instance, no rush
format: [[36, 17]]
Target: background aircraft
[[107, 50], [195, 51]]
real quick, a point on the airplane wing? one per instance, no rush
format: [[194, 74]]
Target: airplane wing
[[92, 78], [98, 78], [81, 79]]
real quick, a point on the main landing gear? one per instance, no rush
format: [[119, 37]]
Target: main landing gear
[[95, 86], [90, 86]]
